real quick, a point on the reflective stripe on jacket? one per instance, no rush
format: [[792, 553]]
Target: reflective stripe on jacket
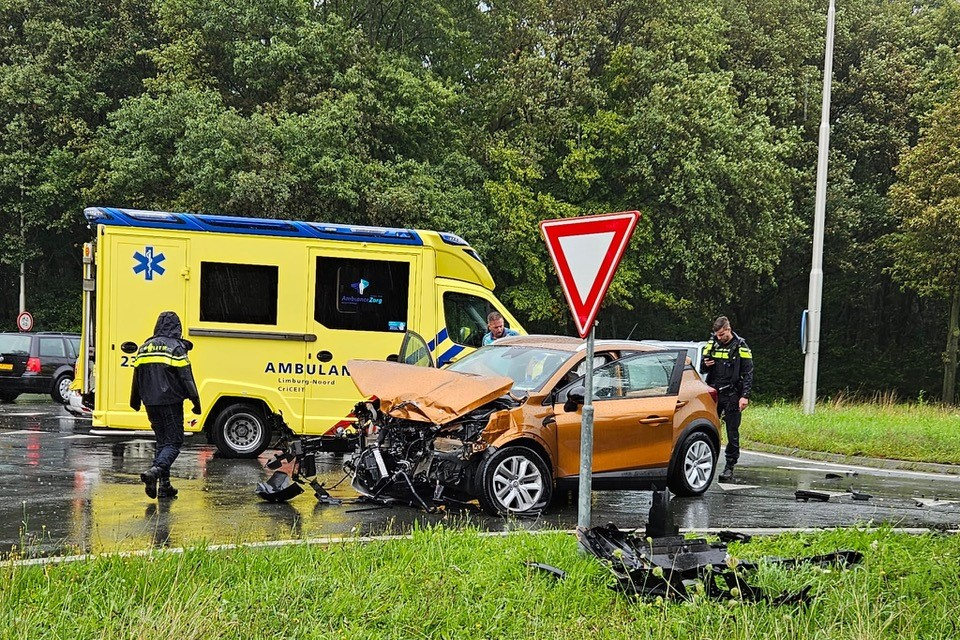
[[162, 373], [733, 366]]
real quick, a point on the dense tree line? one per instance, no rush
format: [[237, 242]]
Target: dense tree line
[[484, 118]]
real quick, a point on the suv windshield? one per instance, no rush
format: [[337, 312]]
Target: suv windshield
[[528, 367], [14, 343]]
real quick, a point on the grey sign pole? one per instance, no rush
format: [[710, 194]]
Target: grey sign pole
[[811, 360], [586, 444]]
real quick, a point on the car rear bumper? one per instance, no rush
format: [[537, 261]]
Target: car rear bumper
[[26, 383]]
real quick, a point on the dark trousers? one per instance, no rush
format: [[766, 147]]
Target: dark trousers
[[728, 406], [166, 420]]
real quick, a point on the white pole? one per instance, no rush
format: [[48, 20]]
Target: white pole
[[820, 206]]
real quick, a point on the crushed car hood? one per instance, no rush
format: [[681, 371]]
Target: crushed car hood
[[425, 394]]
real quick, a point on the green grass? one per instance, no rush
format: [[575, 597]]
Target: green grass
[[914, 432], [458, 584]]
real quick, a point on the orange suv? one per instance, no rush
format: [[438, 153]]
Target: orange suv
[[502, 424]]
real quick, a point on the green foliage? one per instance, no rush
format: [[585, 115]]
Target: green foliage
[[927, 248], [485, 119]]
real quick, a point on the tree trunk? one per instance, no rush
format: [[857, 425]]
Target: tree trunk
[[950, 355]]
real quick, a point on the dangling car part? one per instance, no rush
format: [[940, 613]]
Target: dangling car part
[[281, 486]]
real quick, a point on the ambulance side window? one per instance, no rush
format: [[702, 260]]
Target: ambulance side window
[[240, 293], [465, 317], [362, 295]]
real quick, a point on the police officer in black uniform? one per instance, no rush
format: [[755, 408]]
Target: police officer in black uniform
[[162, 380], [728, 365]]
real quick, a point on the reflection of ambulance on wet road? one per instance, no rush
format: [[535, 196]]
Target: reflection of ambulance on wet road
[[274, 309]]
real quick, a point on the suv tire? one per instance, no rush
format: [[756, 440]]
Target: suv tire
[[694, 463], [515, 480]]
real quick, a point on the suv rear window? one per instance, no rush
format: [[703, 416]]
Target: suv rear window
[[13, 343]]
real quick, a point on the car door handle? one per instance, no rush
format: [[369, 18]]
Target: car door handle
[[681, 403], [654, 420]]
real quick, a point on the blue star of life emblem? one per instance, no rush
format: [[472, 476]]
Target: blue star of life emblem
[[149, 263]]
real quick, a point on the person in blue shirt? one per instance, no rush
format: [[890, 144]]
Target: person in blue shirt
[[497, 329]]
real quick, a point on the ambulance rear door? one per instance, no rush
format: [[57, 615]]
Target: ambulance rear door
[[147, 275]]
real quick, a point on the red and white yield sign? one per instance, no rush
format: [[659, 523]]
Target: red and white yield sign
[[586, 252]]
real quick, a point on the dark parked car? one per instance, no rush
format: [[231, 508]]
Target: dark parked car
[[37, 363]]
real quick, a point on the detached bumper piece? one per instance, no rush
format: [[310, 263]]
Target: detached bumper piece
[[279, 488], [301, 452], [677, 568]]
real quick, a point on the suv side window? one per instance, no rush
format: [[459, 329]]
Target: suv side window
[[73, 344], [52, 347], [644, 375]]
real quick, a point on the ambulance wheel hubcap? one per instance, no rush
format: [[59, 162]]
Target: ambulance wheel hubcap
[[243, 432]]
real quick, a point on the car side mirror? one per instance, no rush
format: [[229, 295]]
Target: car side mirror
[[129, 347], [575, 398]]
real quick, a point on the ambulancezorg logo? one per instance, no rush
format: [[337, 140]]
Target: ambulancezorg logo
[[359, 287]]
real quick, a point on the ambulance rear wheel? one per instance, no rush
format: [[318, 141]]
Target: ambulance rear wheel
[[241, 431]]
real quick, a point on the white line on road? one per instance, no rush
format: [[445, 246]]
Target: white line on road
[[933, 502], [833, 467], [736, 487]]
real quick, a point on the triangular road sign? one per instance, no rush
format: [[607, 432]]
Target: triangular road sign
[[586, 252]]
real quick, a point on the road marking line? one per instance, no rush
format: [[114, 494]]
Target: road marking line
[[20, 432], [77, 436], [933, 502], [736, 487], [858, 468]]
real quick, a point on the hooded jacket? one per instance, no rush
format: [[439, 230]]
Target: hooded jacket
[[162, 372]]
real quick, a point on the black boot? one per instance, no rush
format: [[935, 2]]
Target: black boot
[[727, 475], [149, 479], [166, 490]]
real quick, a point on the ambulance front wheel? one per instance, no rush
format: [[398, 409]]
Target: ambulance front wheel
[[241, 431]]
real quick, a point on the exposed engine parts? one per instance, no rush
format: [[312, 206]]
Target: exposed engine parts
[[412, 462]]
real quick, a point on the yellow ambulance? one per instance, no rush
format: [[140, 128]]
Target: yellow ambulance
[[274, 309]]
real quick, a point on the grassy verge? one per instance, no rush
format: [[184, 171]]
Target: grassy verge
[[457, 584], [916, 432]]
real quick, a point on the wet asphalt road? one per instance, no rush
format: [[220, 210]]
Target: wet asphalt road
[[65, 490]]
